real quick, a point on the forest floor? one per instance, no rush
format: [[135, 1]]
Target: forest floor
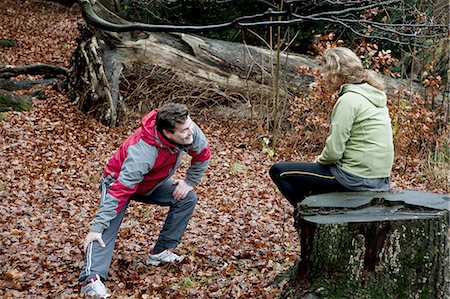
[[240, 242]]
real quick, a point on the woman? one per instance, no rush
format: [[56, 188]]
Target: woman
[[359, 151]]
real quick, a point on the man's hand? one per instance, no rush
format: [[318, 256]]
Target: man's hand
[[181, 190], [91, 237]]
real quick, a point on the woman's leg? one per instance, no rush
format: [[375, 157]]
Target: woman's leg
[[295, 180]]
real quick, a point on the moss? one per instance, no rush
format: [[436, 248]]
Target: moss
[[288, 274], [7, 43], [6, 104], [335, 240], [186, 283], [344, 287], [22, 106]]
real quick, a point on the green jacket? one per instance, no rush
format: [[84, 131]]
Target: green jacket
[[360, 140]]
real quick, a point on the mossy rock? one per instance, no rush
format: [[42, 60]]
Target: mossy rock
[[13, 102], [7, 43]]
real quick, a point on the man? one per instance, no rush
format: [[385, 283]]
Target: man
[[141, 170]]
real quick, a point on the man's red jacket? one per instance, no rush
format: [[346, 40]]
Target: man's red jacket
[[143, 162]]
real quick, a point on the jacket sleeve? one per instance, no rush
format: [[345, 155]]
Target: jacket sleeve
[[201, 154], [342, 119], [139, 161]]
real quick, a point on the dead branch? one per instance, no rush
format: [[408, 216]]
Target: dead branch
[[406, 33], [8, 71]]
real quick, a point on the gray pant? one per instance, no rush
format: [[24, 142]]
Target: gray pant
[[98, 259]]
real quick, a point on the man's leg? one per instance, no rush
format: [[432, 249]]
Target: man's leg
[[295, 180], [178, 217], [98, 259]]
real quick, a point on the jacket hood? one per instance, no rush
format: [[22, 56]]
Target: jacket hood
[[372, 94], [149, 132]]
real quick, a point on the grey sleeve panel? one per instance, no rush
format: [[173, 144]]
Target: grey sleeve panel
[[197, 168], [108, 206], [195, 172], [106, 213], [139, 161]]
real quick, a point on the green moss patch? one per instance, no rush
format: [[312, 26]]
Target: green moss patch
[[13, 104], [7, 43]]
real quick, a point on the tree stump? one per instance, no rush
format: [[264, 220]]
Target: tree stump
[[373, 245]]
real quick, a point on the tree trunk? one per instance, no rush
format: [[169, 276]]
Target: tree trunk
[[112, 71], [373, 245]]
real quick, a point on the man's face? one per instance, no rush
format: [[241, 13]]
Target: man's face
[[182, 133]]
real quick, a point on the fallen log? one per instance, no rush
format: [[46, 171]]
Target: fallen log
[[11, 85], [373, 245], [8, 71]]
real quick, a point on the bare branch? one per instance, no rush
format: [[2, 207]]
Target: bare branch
[[413, 32], [399, 33], [349, 10], [91, 16]]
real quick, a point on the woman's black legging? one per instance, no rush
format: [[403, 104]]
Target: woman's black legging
[[295, 180]]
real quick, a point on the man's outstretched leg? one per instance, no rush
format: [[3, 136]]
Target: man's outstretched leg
[[98, 259], [175, 224]]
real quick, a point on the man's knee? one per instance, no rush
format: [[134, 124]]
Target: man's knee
[[190, 199]]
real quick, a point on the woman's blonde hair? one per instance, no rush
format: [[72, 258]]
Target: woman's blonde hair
[[342, 63]]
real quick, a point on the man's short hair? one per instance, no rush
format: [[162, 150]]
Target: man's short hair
[[169, 115]]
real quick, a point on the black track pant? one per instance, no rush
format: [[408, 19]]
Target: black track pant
[[296, 180]]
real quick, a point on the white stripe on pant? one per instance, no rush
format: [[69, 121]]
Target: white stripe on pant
[[99, 258]]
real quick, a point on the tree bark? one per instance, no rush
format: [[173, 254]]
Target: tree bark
[[373, 245]]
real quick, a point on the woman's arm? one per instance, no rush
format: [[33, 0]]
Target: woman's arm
[[342, 119]]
